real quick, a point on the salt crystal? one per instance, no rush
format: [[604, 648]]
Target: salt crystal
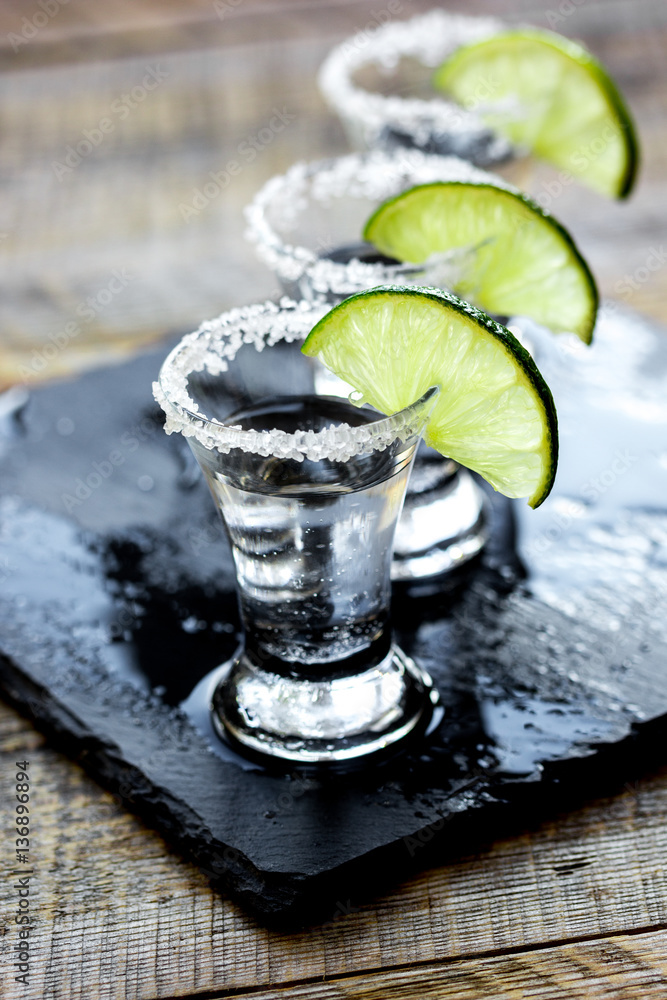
[[374, 177], [262, 326], [429, 38]]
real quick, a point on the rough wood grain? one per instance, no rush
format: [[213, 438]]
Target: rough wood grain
[[63, 232], [113, 896], [617, 967], [120, 916]]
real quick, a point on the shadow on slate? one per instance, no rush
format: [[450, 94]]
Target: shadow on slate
[[117, 602]]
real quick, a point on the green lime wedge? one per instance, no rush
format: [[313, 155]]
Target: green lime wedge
[[494, 414], [521, 262], [551, 96]]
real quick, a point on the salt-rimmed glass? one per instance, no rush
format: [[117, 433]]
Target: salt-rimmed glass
[[376, 120], [306, 227], [310, 488]]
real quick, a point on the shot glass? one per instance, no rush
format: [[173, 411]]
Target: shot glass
[[310, 488], [306, 227], [378, 82]]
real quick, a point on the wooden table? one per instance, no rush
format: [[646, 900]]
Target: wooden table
[[573, 907]]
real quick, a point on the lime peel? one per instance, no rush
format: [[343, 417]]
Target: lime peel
[[573, 113], [495, 414], [524, 262]]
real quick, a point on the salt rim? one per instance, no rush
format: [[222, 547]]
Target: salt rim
[[216, 343], [429, 38], [376, 176]]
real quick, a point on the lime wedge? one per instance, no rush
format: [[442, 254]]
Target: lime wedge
[[494, 414], [521, 262], [551, 96]]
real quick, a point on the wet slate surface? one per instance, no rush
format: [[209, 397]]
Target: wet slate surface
[[117, 604]]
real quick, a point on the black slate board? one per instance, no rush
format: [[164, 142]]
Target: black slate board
[[117, 604]]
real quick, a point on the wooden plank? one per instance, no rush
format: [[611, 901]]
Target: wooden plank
[[111, 895], [63, 233], [618, 967], [80, 31], [119, 915]]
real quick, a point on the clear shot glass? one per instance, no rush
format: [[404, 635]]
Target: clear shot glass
[[306, 227], [378, 82], [310, 488]]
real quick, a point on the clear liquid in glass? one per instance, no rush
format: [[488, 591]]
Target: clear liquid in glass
[[311, 540]]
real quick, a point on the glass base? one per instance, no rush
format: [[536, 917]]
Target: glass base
[[319, 721], [444, 521]]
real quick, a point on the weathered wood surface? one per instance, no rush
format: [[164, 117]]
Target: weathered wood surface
[[575, 907], [111, 896], [65, 230], [622, 966]]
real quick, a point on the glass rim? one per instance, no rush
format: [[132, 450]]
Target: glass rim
[[373, 175], [429, 38], [215, 344]]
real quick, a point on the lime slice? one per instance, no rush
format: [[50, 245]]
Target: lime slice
[[521, 261], [494, 414], [551, 96]]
